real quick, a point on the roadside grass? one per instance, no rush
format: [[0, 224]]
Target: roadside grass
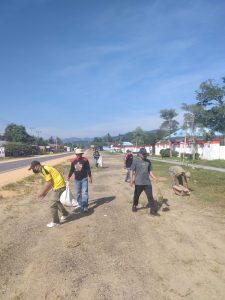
[[99, 169], [217, 163], [4, 158], [113, 153], [207, 186], [26, 185]]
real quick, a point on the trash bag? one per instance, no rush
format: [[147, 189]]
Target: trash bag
[[66, 197], [100, 161]]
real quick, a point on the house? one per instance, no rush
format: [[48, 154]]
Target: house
[[182, 142]]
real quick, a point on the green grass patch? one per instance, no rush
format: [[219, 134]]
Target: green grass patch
[[205, 185], [94, 169], [10, 187], [113, 153], [218, 163], [26, 185], [208, 185]]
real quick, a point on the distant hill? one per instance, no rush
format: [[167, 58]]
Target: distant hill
[[126, 137], [77, 140], [129, 135]]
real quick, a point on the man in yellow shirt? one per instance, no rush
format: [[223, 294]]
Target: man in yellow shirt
[[54, 183]]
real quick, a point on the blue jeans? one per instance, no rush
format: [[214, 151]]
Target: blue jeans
[[96, 162], [81, 187], [127, 175]]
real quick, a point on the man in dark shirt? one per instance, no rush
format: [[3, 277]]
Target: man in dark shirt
[[128, 159], [96, 156], [141, 170], [80, 167]]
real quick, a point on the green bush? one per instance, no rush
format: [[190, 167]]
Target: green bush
[[190, 156], [18, 149], [166, 153]]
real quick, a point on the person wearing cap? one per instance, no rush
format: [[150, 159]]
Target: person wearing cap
[[80, 167], [96, 156], [55, 185], [179, 180], [128, 159], [141, 171]]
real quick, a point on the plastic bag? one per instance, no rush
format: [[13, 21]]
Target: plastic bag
[[66, 197], [100, 161]]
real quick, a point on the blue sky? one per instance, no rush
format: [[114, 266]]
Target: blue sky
[[91, 67]]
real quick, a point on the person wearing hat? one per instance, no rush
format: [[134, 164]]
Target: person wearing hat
[[179, 180], [128, 159], [80, 167], [55, 185], [141, 171], [96, 156]]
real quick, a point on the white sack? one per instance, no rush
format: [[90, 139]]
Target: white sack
[[67, 198], [100, 161]]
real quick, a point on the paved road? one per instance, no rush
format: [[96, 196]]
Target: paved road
[[190, 165], [21, 163]]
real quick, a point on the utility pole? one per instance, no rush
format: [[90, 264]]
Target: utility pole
[[56, 143], [38, 132]]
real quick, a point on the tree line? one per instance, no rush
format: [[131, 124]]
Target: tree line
[[208, 111], [18, 134]]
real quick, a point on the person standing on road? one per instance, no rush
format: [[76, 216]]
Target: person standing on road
[[141, 171], [80, 167], [55, 185], [128, 159], [96, 156], [179, 180]]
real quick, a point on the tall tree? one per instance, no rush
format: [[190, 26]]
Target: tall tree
[[191, 122], [210, 97], [139, 136], [169, 125], [153, 137], [17, 133], [108, 139], [51, 140]]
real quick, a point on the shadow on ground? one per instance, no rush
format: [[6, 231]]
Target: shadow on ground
[[79, 213]]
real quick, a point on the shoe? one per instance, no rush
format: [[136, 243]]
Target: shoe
[[75, 203], [85, 209], [134, 208], [63, 218], [154, 214], [52, 224]]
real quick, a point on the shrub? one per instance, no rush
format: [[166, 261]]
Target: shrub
[[166, 153], [18, 149], [190, 156]]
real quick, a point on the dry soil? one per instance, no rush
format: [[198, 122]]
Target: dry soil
[[111, 252]]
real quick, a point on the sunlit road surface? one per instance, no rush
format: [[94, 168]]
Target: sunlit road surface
[[10, 165]]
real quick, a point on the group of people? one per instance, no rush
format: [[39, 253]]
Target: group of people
[[139, 172], [56, 185]]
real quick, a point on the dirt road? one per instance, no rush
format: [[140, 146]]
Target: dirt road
[[112, 253]]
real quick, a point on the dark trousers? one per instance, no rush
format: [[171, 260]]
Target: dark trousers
[[148, 191]]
